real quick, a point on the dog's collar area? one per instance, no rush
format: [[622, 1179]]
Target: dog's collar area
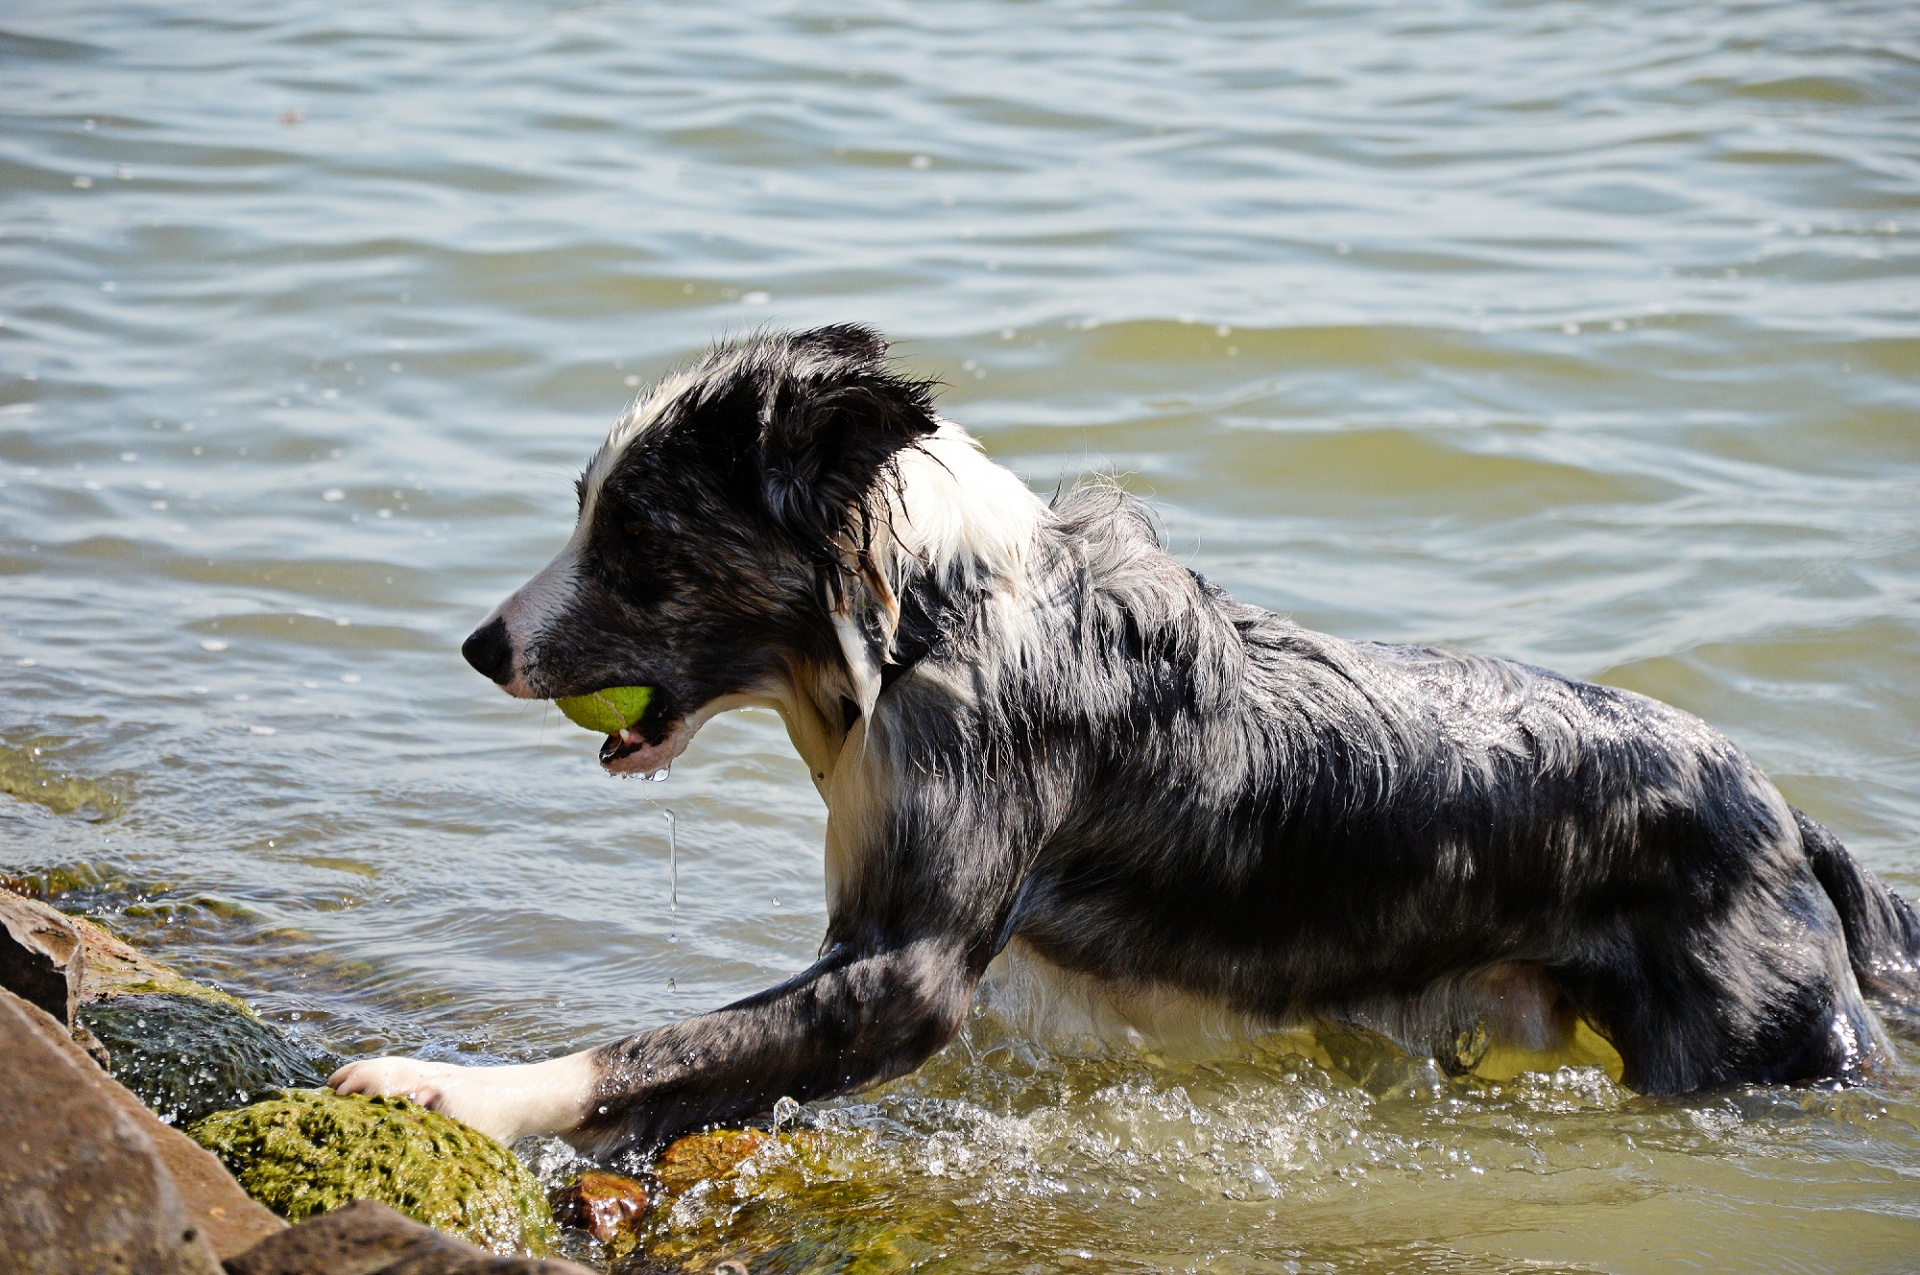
[[909, 652]]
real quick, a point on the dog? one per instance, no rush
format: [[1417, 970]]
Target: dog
[[1031, 725]]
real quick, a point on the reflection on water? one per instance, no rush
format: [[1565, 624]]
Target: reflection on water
[[1580, 334]]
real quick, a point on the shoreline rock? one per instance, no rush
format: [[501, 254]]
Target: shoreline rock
[[311, 1151], [92, 1180], [99, 1181], [189, 1054]]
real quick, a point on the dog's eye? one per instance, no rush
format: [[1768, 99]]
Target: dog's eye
[[636, 528]]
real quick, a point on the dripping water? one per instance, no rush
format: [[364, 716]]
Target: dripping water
[[673, 864]]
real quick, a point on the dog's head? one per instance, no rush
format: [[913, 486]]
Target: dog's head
[[725, 528]]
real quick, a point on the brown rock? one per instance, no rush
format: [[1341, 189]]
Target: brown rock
[[604, 1205], [364, 1238], [51, 1076], [717, 1153], [41, 957], [713, 1154], [82, 1187]]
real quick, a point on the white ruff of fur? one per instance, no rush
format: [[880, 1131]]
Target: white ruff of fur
[[953, 514]]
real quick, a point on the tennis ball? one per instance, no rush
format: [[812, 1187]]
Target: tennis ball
[[609, 711]]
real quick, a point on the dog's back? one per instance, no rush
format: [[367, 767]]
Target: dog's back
[[1411, 839]]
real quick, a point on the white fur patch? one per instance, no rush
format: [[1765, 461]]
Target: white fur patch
[[954, 514], [957, 513]]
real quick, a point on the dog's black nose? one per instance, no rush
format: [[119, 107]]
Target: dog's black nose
[[491, 651]]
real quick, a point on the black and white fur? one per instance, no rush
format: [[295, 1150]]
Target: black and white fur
[[1032, 725]]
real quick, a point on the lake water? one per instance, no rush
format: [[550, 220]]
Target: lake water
[[1585, 334]]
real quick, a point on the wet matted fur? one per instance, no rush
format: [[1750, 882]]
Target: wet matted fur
[[1030, 723]]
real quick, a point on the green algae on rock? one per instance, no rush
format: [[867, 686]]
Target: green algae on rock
[[311, 1150], [189, 1056]]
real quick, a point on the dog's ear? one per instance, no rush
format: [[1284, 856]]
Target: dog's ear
[[835, 422], [829, 437]]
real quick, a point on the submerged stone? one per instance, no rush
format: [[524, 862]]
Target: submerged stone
[[714, 1153], [606, 1206], [190, 1056], [310, 1151], [774, 1203]]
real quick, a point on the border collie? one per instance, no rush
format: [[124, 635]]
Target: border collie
[[1031, 724]]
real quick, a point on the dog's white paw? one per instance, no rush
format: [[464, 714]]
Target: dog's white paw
[[502, 1102]]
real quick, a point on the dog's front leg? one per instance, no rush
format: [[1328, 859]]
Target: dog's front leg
[[856, 1018], [912, 930]]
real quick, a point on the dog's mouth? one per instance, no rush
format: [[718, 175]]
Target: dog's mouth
[[629, 752]]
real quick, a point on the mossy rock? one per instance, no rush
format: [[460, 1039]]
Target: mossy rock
[[190, 1056], [310, 1151]]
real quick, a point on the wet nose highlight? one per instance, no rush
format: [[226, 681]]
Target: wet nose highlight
[[490, 650]]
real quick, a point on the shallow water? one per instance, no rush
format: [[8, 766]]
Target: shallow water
[[1586, 335]]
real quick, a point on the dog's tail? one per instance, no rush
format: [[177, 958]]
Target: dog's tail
[[1882, 929]]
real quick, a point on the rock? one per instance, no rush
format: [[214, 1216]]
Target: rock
[[604, 1205], [106, 966], [184, 1048], [90, 1180], [41, 958], [365, 1238], [115, 969], [311, 1151], [189, 1056], [773, 1203], [43, 961], [716, 1153]]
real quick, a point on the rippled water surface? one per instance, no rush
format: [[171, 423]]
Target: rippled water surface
[[1587, 334]]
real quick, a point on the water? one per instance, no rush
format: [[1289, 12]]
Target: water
[[1582, 334]]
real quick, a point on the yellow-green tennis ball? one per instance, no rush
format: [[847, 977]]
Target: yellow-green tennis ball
[[609, 711]]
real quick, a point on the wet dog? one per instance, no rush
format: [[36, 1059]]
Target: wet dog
[[1031, 724]]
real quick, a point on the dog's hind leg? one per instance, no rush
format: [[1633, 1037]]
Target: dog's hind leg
[[1758, 992]]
